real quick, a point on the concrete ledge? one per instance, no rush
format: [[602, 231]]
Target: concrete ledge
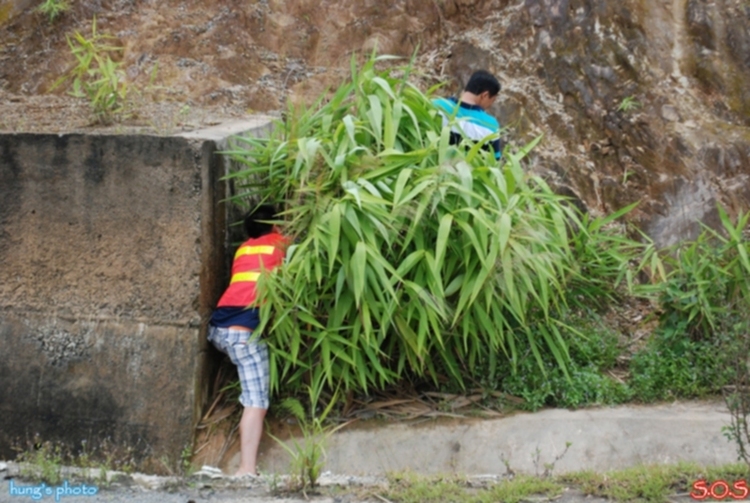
[[112, 254], [601, 439]]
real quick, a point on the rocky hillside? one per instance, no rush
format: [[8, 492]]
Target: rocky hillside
[[639, 100]]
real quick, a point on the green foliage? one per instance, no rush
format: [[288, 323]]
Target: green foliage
[[53, 8], [585, 386], [628, 104], [186, 460], [308, 455], [410, 488], [650, 483], [591, 354], [657, 483], [674, 366], [704, 301], [44, 463], [708, 280], [411, 256], [96, 76]]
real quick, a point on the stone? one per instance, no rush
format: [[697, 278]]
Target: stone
[[670, 114], [153, 482]]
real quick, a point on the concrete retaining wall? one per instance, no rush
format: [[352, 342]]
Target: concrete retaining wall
[[112, 253]]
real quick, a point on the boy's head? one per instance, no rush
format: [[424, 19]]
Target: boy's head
[[257, 221], [484, 86]]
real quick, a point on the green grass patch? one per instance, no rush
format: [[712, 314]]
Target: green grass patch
[[410, 488], [653, 483]]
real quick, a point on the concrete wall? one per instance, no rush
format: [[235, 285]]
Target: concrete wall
[[112, 254]]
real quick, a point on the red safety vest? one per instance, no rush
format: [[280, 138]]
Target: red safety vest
[[252, 257]]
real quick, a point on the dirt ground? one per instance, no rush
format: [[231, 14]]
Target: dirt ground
[[192, 64]]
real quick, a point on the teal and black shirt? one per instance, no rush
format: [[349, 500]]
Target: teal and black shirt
[[469, 121]]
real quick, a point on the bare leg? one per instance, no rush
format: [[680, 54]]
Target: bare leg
[[251, 429]]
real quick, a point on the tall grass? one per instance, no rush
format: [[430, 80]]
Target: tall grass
[[411, 256]]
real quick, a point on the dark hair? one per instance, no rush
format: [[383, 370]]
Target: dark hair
[[482, 81], [256, 221]]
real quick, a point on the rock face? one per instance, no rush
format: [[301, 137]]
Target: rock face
[[638, 100]]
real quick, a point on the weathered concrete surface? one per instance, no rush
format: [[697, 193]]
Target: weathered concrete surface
[[601, 439], [112, 253]]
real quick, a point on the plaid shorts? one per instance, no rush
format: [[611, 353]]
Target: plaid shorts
[[251, 358]]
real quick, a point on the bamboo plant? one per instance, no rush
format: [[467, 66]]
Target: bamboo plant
[[412, 256]]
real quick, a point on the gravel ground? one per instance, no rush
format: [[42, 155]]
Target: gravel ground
[[204, 487]]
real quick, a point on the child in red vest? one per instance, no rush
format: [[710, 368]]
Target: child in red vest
[[233, 323]]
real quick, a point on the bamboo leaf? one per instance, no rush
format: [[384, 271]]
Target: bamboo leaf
[[442, 238], [358, 265]]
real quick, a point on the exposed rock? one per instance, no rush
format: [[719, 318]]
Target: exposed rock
[[153, 482], [632, 90], [670, 113]]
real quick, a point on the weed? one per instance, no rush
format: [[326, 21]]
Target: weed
[[549, 467], [674, 366], [642, 484], [53, 8], [649, 483], [410, 488], [625, 175], [308, 455], [592, 349], [628, 104], [96, 76], [704, 302], [44, 462], [186, 458], [521, 487]]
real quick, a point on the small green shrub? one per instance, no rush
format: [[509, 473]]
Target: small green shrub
[[308, 454], [44, 462], [628, 104], [704, 299], [707, 282], [96, 76], [53, 8]]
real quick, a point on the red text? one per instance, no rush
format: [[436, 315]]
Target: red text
[[719, 490]]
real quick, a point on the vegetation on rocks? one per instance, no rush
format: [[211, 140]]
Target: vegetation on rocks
[[97, 77]]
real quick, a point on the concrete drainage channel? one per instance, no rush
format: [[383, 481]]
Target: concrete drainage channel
[[600, 439]]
